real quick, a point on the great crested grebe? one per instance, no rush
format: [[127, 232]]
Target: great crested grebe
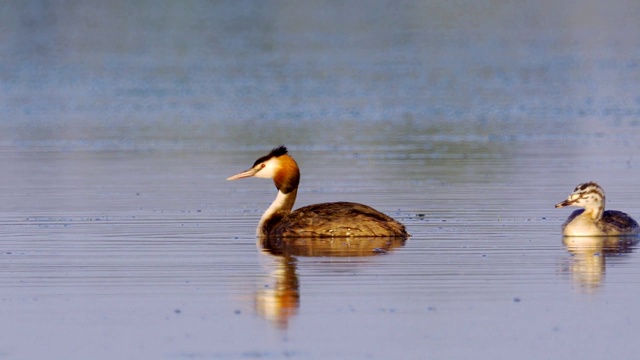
[[338, 219], [593, 220]]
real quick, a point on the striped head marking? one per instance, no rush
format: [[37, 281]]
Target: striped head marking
[[586, 195]]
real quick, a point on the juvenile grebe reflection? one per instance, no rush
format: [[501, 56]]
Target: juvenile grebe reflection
[[338, 219], [589, 256], [593, 220]]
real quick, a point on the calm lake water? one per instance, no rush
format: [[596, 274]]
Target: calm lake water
[[467, 121]]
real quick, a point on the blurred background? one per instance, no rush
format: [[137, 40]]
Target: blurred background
[[199, 74]]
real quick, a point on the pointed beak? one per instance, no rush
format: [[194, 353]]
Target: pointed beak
[[244, 174], [564, 203]]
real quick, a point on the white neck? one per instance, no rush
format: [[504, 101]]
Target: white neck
[[283, 204], [595, 212]]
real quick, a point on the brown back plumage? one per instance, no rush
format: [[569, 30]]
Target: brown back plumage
[[338, 219]]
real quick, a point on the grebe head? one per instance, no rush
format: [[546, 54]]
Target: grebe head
[[276, 165], [588, 195]]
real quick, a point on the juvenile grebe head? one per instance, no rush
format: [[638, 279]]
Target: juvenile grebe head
[[276, 165], [588, 195]]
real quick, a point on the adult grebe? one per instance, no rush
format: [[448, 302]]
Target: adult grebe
[[593, 220], [339, 219]]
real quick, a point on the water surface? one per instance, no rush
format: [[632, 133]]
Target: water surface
[[465, 121]]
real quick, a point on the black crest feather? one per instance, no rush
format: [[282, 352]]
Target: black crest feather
[[277, 151]]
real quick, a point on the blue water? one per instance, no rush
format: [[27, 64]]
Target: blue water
[[466, 121]]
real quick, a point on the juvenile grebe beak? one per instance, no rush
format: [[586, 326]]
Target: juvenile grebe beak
[[244, 174], [572, 199]]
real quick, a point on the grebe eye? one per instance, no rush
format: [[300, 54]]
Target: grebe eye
[[262, 166]]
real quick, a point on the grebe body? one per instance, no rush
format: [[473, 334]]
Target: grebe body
[[337, 219], [593, 220]]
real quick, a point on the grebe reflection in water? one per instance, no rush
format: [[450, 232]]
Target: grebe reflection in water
[[589, 254], [280, 300]]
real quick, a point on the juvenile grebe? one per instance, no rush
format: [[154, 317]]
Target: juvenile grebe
[[339, 219], [593, 220]]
